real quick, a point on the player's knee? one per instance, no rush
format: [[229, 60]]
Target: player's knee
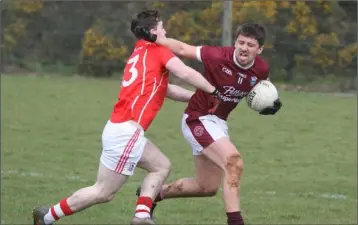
[[234, 163], [234, 166], [165, 171], [165, 168]]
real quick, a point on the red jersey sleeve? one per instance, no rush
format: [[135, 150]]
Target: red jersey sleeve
[[165, 55], [206, 54]]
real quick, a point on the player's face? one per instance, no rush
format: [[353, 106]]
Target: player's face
[[159, 30], [247, 49]]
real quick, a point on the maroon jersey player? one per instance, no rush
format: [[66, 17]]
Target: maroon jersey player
[[234, 71], [224, 71]]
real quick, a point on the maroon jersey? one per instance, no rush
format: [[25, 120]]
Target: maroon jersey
[[223, 71]]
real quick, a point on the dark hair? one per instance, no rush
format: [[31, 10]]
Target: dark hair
[[252, 30], [148, 19]]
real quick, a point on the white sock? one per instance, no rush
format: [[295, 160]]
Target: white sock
[[142, 211], [48, 218]]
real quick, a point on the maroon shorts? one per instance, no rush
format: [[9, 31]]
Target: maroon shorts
[[202, 131]]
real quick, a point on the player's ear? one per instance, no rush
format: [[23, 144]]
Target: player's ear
[[152, 31], [260, 50]]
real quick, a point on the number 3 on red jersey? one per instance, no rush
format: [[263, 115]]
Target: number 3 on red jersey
[[132, 70]]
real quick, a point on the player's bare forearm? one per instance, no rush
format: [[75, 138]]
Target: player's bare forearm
[[188, 74], [178, 93], [178, 47], [194, 78]]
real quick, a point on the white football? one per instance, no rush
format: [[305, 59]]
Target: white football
[[262, 95]]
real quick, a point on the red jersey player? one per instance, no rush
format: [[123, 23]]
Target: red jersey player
[[234, 70], [124, 145]]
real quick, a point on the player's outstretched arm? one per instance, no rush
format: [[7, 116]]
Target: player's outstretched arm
[[178, 47], [178, 93], [191, 76]]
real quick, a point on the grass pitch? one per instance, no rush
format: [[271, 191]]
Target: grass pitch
[[300, 166]]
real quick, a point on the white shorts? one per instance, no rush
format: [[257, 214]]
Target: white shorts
[[122, 146], [203, 131]]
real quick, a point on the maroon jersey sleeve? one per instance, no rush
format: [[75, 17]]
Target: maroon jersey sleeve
[[263, 68], [207, 54], [266, 73]]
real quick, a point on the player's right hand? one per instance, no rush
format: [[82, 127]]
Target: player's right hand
[[145, 34], [218, 98]]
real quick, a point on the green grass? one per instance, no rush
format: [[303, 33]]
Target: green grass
[[300, 166]]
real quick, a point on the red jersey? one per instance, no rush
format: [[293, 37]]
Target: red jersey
[[223, 71], [144, 85]]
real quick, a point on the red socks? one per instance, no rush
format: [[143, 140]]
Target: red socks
[[57, 211], [144, 205]]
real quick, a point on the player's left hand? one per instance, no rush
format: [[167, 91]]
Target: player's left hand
[[272, 110], [145, 34], [218, 98]]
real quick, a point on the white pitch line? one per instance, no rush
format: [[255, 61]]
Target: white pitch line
[[37, 174], [333, 196], [319, 195], [78, 178], [133, 184]]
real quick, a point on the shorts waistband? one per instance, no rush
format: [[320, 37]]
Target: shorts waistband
[[130, 122]]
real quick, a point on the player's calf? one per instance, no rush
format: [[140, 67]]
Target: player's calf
[[205, 190], [205, 184], [233, 171], [107, 184], [159, 168], [224, 154], [188, 187], [88, 196], [78, 201], [150, 186]]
